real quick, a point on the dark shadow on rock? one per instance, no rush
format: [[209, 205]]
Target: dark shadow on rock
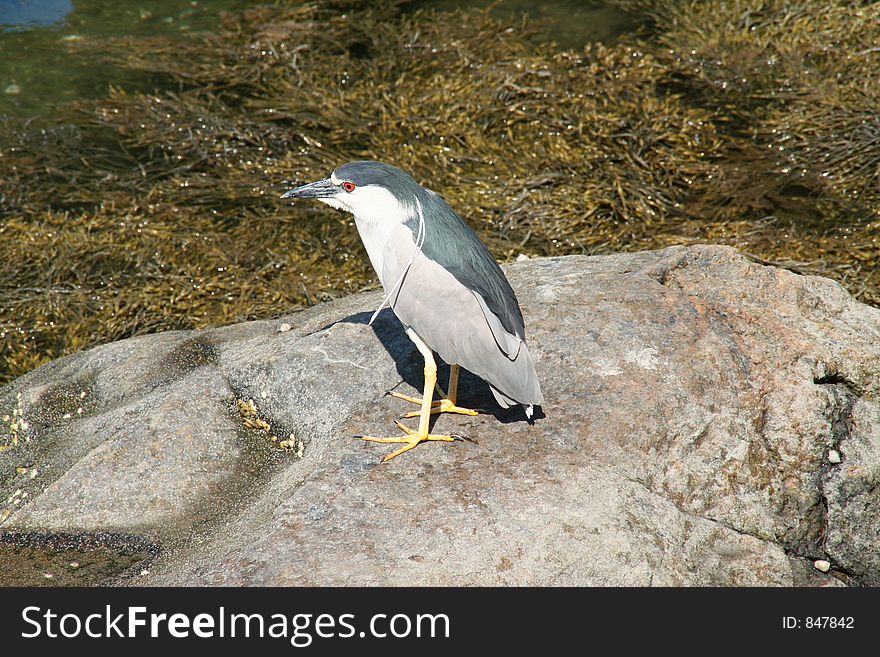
[[473, 392]]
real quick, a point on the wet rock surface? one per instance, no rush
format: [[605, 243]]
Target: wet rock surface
[[694, 399]]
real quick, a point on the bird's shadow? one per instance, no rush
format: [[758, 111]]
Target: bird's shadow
[[473, 392]]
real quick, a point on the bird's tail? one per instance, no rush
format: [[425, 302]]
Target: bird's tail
[[506, 402]]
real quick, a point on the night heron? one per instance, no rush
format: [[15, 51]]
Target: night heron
[[441, 282]]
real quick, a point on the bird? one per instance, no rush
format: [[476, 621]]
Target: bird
[[444, 286]]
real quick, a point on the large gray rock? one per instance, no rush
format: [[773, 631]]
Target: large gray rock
[[693, 400]]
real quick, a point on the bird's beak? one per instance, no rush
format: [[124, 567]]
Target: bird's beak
[[319, 189]]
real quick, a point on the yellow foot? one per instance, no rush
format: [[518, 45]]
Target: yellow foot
[[442, 406], [410, 440]]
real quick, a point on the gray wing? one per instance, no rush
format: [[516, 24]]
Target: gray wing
[[456, 323], [452, 244], [463, 306]]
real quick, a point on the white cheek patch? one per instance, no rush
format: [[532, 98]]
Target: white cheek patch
[[334, 179], [374, 203]]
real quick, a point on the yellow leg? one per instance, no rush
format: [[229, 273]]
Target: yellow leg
[[413, 438], [446, 405]]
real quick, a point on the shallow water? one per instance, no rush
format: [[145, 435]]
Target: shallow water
[[37, 37], [39, 69], [67, 559], [570, 23]]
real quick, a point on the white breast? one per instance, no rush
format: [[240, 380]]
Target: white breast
[[389, 245]]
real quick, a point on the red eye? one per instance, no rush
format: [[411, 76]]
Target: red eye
[[348, 186]]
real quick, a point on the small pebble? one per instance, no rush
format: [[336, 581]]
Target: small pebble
[[521, 257], [71, 37], [284, 328], [48, 575], [145, 572], [79, 411], [66, 416], [74, 564], [12, 90], [822, 565], [833, 456], [82, 395], [264, 394]]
